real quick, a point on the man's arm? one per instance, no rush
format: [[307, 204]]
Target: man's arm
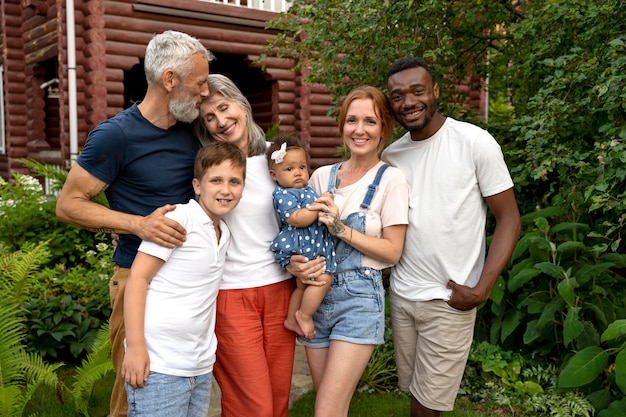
[[74, 206], [505, 236]]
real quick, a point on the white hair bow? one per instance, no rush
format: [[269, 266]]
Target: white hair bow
[[277, 156]]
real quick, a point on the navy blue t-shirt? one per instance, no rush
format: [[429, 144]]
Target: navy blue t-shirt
[[145, 166]]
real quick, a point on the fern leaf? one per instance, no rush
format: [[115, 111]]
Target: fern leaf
[[11, 349], [6, 274], [97, 365], [18, 268], [38, 373], [578, 406], [21, 373], [35, 369], [10, 403]]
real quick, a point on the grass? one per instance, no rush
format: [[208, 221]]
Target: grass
[[46, 403], [362, 405], [394, 405]]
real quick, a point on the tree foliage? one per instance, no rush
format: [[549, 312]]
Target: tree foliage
[[556, 76], [345, 44], [560, 67]]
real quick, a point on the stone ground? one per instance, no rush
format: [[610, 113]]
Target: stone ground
[[300, 383]]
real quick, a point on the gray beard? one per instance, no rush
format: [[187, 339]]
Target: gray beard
[[184, 110]]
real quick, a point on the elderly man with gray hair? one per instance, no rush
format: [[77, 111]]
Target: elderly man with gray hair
[[142, 159]]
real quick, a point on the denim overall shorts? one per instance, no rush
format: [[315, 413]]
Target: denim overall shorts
[[354, 307]]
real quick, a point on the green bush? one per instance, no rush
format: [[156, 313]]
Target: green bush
[[21, 373], [28, 215], [24, 374], [505, 378], [564, 298], [69, 300], [59, 327], [67, 307]]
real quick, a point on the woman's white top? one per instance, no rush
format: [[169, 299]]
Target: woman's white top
[[253, 225]]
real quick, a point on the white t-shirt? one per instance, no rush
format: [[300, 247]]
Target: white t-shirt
[[179, 324], [388, 207], [253, 225], [449, 174]]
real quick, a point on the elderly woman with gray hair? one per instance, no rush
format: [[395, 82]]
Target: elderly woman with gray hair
[[255, 351]]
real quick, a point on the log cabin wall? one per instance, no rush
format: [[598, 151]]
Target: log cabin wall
[[111, 37], [40, 30], [14, 86]]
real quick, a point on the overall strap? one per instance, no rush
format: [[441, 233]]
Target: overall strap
[[371, 189], [332, 181]]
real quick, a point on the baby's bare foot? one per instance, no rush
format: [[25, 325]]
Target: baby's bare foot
[[293, 326], [306, 324]]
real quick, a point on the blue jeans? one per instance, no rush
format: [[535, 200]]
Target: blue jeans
[[171, 396]]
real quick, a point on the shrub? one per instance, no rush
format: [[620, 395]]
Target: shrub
[[565, 297], [22, 373], [69, 301], [68, 306], [505, 378], [28, 215]]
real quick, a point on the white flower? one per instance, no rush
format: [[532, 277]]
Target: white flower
[[29, 183], [102, 246], [7, 203]]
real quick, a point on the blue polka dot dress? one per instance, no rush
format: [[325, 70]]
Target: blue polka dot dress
[[311, 241]]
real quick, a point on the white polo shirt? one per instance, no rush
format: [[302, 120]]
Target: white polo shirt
[[253, 225], [180, 306]]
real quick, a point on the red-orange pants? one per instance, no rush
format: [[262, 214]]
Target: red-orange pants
[[119, 402], [254, 350]]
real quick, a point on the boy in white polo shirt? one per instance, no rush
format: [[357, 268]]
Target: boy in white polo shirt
[[169, 305]]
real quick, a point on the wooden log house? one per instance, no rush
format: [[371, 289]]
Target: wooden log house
[[110, 41]]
